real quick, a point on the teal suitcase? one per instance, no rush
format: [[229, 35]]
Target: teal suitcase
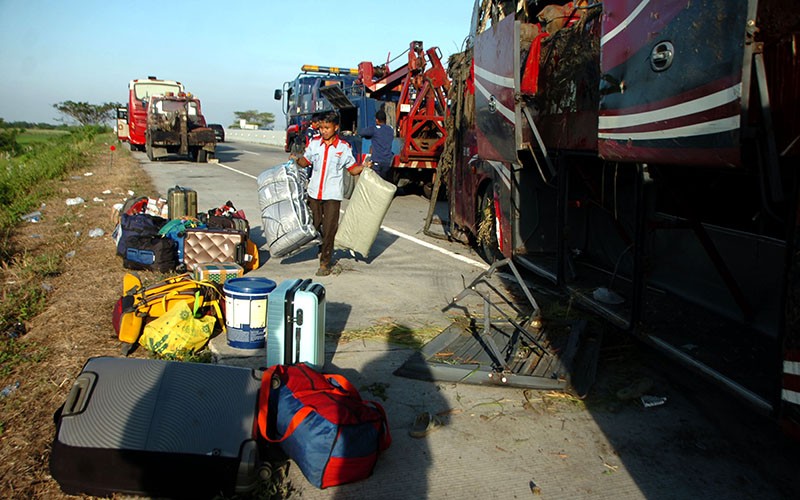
[[296, 324]]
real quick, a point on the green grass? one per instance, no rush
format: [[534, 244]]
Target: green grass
[[39, 136], [14, 353], [27, 176]]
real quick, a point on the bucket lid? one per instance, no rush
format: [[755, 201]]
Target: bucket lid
[[249, 284]]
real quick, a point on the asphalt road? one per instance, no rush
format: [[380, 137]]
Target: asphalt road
[[407, 276], [496, 443]]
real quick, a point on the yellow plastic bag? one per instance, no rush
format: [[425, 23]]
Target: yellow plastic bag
[[177, 332]]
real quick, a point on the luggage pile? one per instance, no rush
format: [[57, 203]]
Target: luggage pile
[[139, 426], [127, 422], [186, 240], [287, 222], [209, 248]]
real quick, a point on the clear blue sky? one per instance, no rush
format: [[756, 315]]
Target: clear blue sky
[[231, 54]]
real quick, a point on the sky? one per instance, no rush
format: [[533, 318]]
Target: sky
[[231, 54]]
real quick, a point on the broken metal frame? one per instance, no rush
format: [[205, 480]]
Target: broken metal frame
[[500, 360]]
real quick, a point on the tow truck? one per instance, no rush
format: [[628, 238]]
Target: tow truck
[[414, 97]]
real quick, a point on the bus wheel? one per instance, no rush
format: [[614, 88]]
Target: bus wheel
[[427, 189], [486, 239]]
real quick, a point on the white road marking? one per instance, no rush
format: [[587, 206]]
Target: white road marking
[[250, 152], [399, 234], [237, 171], [431, 246]]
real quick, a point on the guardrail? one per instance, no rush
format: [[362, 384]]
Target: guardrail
[[271, 137]]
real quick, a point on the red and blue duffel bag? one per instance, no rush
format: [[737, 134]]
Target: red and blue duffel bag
[[322, 423]]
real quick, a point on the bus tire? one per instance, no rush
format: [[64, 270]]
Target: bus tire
[[486, 239]]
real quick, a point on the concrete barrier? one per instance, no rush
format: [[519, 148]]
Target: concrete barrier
[[271, 137]]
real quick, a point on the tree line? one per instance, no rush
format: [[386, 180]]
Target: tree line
[[99, 114]]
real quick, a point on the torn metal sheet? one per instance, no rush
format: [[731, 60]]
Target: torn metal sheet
[[499, 349]]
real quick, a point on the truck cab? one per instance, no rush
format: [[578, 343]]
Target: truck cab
[[176, 125]]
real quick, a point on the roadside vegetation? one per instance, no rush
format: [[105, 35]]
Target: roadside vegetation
[[30, 160]]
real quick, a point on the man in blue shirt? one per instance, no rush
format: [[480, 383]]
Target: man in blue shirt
[[382, 136]]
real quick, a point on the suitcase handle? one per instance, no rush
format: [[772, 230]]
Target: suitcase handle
[[78, 396]]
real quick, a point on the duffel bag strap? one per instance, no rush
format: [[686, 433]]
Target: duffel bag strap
[[339, 382], [263, 406], [385, 439]]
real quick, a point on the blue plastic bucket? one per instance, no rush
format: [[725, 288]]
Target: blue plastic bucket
[[246, 311]]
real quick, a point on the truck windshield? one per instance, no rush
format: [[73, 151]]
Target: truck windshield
[[173, 106], [143, 90]]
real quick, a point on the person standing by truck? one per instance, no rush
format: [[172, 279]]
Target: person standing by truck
[[382, 137], [330, 159], [312, 131]]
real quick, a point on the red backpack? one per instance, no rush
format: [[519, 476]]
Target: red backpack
[[322, 423]]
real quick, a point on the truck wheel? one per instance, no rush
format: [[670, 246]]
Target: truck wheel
[[149, 149], [486, 239]]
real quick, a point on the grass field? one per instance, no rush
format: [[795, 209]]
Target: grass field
[[36, 136]]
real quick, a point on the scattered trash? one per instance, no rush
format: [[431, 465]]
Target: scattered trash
[[77, 234], [75, 177], [96, 232], [70, 254], [97, 200], [16, 330], [7, 390], [650, 401], [130, 193], [535, 489], [36, 236], [75, 201], [107, 191], [636, 389], [607, 296], [88, 174], [32, 217], [47, 287], [378, 389]]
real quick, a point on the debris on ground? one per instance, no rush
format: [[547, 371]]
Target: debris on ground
[[424, 424], [650, 401], [9, 389]]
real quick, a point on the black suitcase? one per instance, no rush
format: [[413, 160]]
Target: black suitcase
[[150, 253], [158, 428]]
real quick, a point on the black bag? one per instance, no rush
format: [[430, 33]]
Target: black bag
[[150, 253], [137, 225]]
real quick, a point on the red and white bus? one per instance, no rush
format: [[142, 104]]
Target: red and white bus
[[139, 92], [643, 157]]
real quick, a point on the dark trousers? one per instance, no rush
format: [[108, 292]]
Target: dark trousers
[[326, 219]]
